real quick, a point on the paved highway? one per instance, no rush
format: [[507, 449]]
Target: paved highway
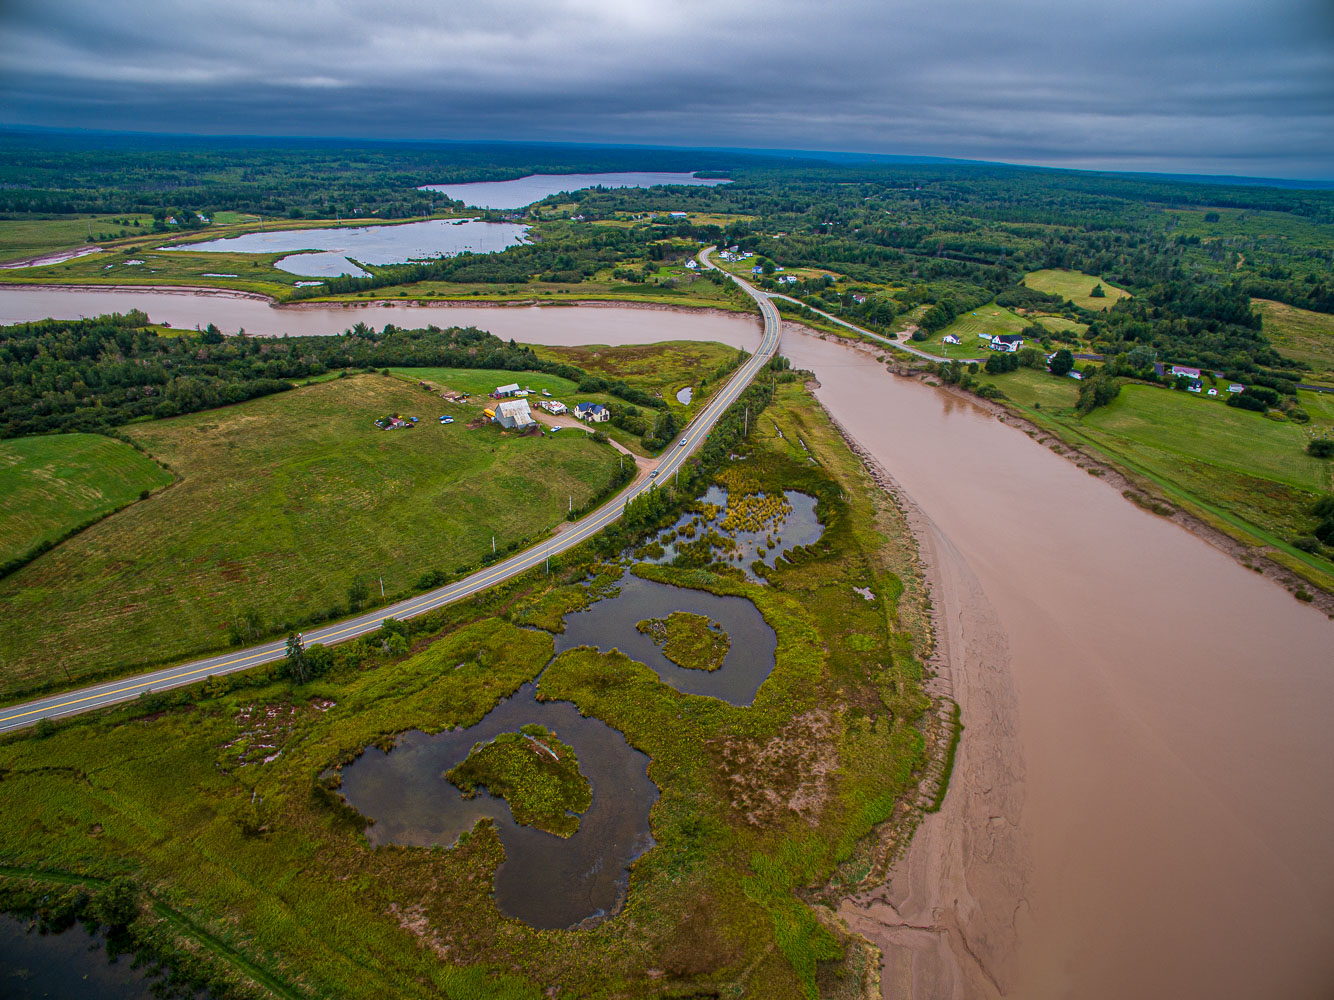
[[129, 688]]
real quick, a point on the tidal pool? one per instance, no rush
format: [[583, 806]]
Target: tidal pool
[[523, 191], [546, 881], [387, 244], [798, 526], [72, 963], [610, 624]]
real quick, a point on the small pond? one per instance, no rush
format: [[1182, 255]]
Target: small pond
[[780, 526], [70, 964], [685, 395], [610, 624], [523, 191], [387, 244], [546, 881]]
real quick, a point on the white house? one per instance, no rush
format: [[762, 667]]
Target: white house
[[1176, 370], [692, 265], [1008, 342], [594, 413], [1213, 392], [513, 414], [951, 338]]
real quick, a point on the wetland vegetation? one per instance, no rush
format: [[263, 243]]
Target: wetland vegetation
[[689, 640], [751, 803], [534, 772]]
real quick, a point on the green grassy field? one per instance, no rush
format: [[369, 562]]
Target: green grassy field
[[757, 803], [990, 319], [24, 238], [1208, 431], [52, 484], [1302, 335], [1075, 286], [282, 502], [1061, 325]]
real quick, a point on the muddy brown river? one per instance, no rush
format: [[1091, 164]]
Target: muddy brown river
[[1144, 793]]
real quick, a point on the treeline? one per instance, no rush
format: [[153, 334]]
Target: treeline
[[94, 374], [299, 178]]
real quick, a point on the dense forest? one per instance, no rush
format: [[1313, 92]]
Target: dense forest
[[91, 375]]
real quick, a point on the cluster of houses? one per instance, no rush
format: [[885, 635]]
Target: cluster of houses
[[1195, 379], [733, 254], [512, 411]]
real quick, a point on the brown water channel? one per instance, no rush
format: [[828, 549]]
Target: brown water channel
[[545, 880], [1144, 794]]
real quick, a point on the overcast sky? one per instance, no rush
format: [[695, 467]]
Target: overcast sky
[[1207, 86]]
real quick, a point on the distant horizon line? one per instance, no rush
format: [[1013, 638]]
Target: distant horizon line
[[757, 152]]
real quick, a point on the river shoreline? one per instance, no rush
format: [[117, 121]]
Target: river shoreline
[[926, 941], [209, 291]]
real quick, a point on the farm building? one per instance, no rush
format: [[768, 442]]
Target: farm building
[[594, 413], [1236, 387], [506, 390], [513, 414]]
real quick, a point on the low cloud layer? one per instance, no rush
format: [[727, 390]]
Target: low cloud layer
[[1187, 85]]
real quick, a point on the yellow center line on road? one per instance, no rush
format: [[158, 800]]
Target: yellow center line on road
[[507, 568]]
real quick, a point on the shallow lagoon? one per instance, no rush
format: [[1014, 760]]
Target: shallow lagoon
[[388, 244], [523, 191]]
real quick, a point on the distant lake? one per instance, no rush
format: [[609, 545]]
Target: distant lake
[[367, 244], [525, 190]]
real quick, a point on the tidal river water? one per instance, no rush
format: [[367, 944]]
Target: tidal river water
[[1144, 791]]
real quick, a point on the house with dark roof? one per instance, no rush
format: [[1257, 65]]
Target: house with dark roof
[[594, 413], [1008, 342]]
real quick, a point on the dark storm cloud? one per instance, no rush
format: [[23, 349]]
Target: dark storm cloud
[[1147, 84]]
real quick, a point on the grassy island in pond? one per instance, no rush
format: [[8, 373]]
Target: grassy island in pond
[[535, 773], [689, 640]]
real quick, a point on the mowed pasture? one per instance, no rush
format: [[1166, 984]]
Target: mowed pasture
[[1206, 430], [52, 484], [32, 237], [990, 319], [1074, 286], [282, 502], [1300, 334]]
